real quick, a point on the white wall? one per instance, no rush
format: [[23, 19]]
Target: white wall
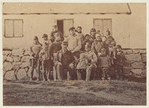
[[128, 30]]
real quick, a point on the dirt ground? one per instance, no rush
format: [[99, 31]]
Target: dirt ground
[[73, 93]]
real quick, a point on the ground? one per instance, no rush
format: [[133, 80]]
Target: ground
[[73, 93]]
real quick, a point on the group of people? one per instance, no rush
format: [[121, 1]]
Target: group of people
[[77, 56]]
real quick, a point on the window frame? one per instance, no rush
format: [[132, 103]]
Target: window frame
[[102, 22], [13, 28]]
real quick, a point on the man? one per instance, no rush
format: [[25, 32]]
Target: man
[[88, 61], [74, 43], [54, 48], [64, 63], [98, 44], [35, 48], [55, 28]]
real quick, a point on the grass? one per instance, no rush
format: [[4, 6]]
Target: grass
[[34, 93]]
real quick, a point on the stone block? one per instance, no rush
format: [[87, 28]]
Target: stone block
[[143, 51], [138, 65], [133, 57], [21, 74], [17, 52], [143, 74], [10, 75], [136, 51], [7, 66], [126, 52], [136, 72], [143, 56], [126, 70], [127, 63]]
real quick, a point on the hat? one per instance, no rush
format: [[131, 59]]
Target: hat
[[44, 36], [93, 30], [64, 43], [35, 38], [79, 27], [87, 35], [72, 28], [119, 47]]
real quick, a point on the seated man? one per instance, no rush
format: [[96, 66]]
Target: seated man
[[64, 62], [88, 61]]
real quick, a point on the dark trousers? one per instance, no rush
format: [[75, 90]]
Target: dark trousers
[[90, 71], [63, 72], [105, 73], [119, 71], [46, 69]]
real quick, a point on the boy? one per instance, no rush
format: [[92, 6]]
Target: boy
[[87, 62], [54, 29], [119, 62], [111, 45], [64, 61], [44, 58], [80, 34], [104, 64], [92, 33], [35, 48], [54, 48]]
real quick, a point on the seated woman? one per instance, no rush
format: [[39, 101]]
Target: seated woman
[[87, 62]]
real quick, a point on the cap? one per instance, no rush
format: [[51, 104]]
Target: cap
[[119, 47], [64, 43], [44, 36], [93, 30], [87, 35], [72, 28], [35, 38]]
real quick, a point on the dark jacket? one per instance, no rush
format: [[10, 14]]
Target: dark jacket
[[97, 46], [54, 48], [120, 59], [65, 58]]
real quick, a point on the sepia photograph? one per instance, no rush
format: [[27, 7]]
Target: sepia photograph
[[74, 54]]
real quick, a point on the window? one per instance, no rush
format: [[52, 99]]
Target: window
[[64, 25], [103, 25], [13, 28]]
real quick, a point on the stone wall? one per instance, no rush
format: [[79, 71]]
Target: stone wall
[[135, 63]]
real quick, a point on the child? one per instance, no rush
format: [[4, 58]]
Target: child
[[35, 48], [111, 46], [87, 39], [104, 64], [45, 60], [119, 62]]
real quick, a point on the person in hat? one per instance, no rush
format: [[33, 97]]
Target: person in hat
[[74, 43], [54, 29], [35, 49], [64, 63], [44, 57], [119, 62], [53, 49], [92, 33], [87, 61]]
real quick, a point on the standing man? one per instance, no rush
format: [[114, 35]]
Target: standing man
[[74, 43], [35, 48], [54, 29]]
